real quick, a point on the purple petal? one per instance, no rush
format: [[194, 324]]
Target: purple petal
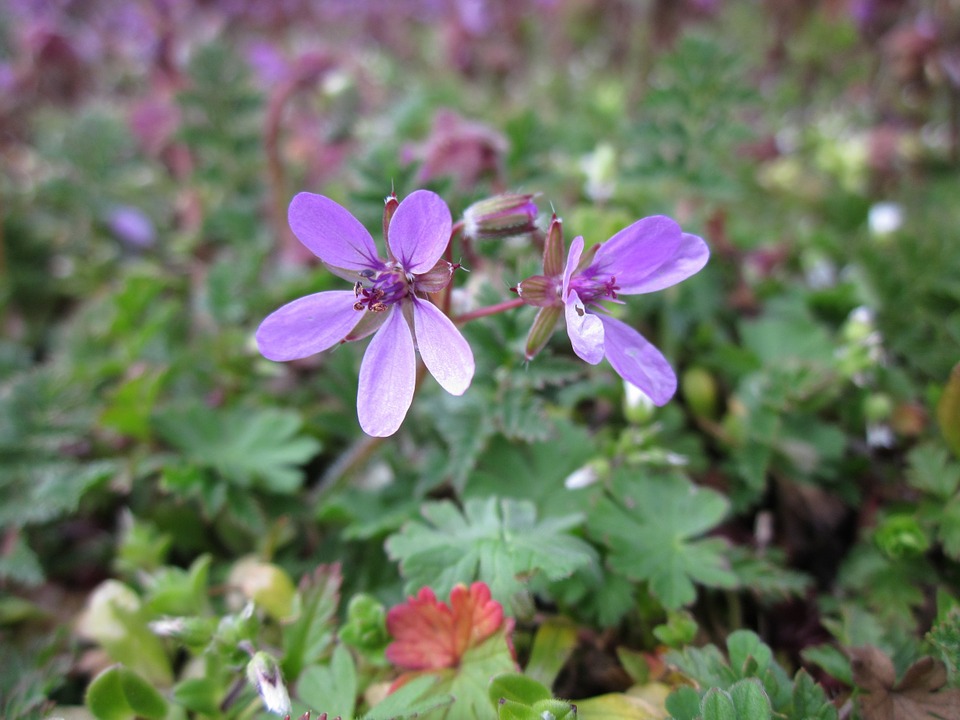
[[420, 231], [585, 330], [637, 361], [689, 259], [638, 250], [573, 259], [444, 350], [388, 375], [331, 233], [307, 326]]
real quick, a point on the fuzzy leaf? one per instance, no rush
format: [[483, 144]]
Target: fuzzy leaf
[[931, 470], [309, 636], [499, 542], [468, 681], [332, 687], [118, 693], [518, 688], [652, 535], [553, 644], [245, 446], [412, 700]]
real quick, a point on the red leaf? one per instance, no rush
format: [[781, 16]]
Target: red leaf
[[430, 634]]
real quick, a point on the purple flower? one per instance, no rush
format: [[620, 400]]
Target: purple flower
[[649, 255], [388, 299]]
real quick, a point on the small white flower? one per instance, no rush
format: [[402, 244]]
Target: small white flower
[[167, 627], [884, 218], [263, 672], [581, 478]]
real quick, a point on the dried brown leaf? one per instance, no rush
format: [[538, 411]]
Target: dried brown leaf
[[918, 696]]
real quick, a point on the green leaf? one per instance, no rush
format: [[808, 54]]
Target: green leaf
[[949, 531], [787, 334], [466, 425], [199, 695], [718, 705], [679, 629], [245, 446], [683, 703], [749, 655], [517, 688], [468, 682], [809, 701], [19, 563], [308, 637], [945, 638], [513, 710], [129, 409], [765, 575], [616, 706], [930, 469], [118, 693], [499, 542], [553, 644], [652, 535], [332, 687], [948, 411], [411, 700], [831, 659], [750, 700]]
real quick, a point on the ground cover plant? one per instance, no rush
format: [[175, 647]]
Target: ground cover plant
[[474, 359]]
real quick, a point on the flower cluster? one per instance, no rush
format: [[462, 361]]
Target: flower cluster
[[387, 301], [391, 296], [649, 255]]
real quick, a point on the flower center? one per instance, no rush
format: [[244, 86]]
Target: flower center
[[593, 288], [377, 290]]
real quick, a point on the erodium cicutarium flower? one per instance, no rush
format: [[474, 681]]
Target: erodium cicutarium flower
[[649, 255], [388, 300]]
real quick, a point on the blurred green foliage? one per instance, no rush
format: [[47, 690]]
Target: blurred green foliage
[[798, 485]]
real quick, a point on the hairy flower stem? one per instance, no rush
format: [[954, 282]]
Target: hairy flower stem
[[487, 311]]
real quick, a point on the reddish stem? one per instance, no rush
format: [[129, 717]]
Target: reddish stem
[[489, 310], [305, 75]]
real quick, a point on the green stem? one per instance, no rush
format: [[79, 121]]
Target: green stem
[[339, 473]]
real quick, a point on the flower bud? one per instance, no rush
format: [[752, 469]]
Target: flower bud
[[436, 278], [500, 216], [600, 168], [539, 291], [638, 407], [114, 618], [554, 252], [263, 672], [700, 391], [877, 407], [884, 219], [366, 625], [901, 535], [191, 631], [390, 205], [267, 585], [541, 330]]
